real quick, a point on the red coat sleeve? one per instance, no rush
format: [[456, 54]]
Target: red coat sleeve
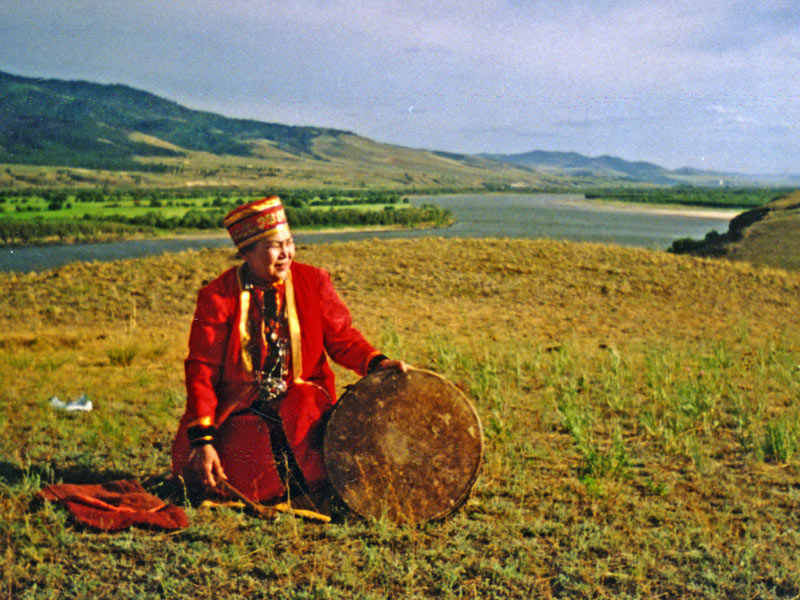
[[210, 331], [343, 342]]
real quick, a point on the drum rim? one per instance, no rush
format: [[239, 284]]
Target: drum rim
[[481, 444]]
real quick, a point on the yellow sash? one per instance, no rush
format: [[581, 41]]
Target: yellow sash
[[294, 328]]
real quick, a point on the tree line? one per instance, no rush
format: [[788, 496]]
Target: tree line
[[13, 232], [723, 197], [291, 197], [22, 233]]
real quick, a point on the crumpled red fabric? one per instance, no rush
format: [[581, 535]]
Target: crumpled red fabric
[[115, 505]]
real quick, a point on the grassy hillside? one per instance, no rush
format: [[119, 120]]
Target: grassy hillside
[[773, 240], [55, 132], [640, 412], [767, 235], [355, 163], [87, 124]]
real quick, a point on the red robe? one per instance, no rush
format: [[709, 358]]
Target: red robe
[[220, 381]]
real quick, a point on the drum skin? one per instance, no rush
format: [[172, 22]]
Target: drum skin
[[403, 446]]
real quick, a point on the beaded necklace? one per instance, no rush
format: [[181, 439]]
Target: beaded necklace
[[269, 338]]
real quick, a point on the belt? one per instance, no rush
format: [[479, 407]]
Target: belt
[[285, 462], [267, 409]]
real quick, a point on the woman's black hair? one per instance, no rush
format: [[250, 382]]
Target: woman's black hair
[[242, 251]]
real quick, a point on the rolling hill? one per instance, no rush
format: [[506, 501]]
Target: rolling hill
[[77, 124], [572, 164], [123, 135], [639, 410], [86, 123], [766, 236], [579, 165]]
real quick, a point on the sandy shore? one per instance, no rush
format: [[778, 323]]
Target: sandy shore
[[657, 209]]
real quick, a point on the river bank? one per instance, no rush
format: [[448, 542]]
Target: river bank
[[194, 234], [696, 212], [561, 217], [133, 233]]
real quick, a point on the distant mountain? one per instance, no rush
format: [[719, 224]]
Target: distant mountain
[[78, 124], [575, 164], [572, 164], [88, 124]]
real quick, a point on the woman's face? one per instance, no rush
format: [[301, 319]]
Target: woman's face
[[269, 258]]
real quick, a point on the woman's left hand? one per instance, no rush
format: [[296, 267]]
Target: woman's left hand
[[389, 363]]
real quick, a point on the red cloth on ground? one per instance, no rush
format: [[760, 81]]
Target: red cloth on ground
[[115, 505]]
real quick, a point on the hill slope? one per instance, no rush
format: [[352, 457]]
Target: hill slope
[[83, 125], [639, 410], [89, 123], [768, 236], [577, 164], [115, 127], [572, 164]]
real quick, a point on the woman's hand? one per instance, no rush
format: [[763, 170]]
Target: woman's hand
[[205, 462], [389, 363]]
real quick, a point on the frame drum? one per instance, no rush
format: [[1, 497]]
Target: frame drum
[[405, 446]]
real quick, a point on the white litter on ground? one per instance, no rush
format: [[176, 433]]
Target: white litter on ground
[[81, 404]]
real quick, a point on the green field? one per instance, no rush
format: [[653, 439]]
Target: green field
[[37, 209], [640, 412], [72, 204], [63, 216]]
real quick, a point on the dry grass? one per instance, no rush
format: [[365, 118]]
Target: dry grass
[[775, 241], [640, 412]]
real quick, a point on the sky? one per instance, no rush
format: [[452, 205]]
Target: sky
[[708, 84]]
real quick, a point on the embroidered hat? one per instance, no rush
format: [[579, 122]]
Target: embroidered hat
[[255, 220]]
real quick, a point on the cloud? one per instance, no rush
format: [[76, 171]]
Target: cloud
[[593, 122], [766, 126], [730, 116]]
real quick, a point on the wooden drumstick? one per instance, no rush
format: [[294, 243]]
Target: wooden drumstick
[[270, 511]]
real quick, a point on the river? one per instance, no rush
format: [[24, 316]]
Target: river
[[561, 217]]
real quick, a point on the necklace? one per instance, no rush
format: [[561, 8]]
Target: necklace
[[274, 366]]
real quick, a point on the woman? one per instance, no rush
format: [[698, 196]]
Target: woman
[[257, 378]]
